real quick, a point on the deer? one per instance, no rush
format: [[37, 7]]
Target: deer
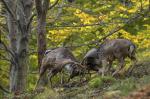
[[116, 49], [57, 59], [90, 60], [109, 51]]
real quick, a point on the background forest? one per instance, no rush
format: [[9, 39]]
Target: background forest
[[29, 27]]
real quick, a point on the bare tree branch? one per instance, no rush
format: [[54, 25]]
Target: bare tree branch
[[30, 21], [12, 14], [8, 9], [59, 12], [53, 4], [77, 26]]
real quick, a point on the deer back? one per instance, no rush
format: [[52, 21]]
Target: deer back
[[115, 48]]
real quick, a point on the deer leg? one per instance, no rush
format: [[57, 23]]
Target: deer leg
[[71, 76], [104, 64], [68, 80], [134, 61], [121, 65], [62, 76], [109, 66], [42, 71], [50, 75]]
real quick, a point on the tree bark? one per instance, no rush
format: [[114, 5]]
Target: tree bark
[[18, 35], [41, 9]]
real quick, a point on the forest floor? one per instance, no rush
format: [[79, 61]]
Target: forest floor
[[137, 84]]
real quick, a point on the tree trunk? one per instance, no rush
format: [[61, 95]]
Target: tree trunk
[[42, 8], [41, 39], [12, 27], [18, 34]]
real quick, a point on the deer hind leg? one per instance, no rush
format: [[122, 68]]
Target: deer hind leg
[[51, 74], [121, 65]]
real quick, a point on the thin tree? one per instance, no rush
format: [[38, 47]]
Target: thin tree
[[42, 6]]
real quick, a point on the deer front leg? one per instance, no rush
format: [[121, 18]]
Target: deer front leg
[[134, 62], [104, 65], [70, 77], [109, 66], [62, 77], [121, 65], [50, 75]]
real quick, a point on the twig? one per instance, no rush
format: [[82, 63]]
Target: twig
[[81, 25], [3, 89], [30, 20], [8, 9], [53, 4], [59, 12]]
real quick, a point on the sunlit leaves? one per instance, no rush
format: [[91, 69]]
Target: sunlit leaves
[[85, 18]]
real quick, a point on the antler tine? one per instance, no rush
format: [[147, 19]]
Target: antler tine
[[82, 66]]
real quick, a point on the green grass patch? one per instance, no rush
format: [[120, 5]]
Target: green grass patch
[[99, 81]]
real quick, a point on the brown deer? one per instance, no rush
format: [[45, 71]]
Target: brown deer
[[57, 59], [110, 50]]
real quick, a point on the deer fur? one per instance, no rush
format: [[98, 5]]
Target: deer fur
[[90, 60], [118, 49], [109, 51], [57, 59]]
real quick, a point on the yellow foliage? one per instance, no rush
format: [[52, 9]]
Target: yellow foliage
[[122, 8], [84, 17], [132, 10], [102, 17], [34, 56]]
